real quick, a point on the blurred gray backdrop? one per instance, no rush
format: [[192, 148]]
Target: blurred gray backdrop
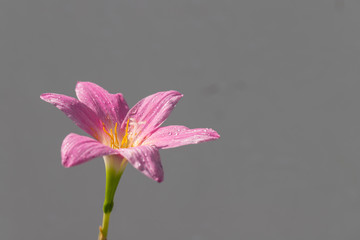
[[278, 79]]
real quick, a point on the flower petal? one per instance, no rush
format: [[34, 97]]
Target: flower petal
[[146, 159], [83, 116], [78, 149], [150, 112], [175, 136], [110, 108]]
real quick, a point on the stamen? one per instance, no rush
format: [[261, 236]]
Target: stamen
[[116, 136], [114, 142], [124, 142], [131, 131], [104, 129], [135, 131]]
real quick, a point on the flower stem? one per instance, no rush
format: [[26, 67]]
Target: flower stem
[[104, 228], [114, 169]]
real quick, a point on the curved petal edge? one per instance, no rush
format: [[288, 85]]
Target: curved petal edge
[[78, 112], [176, 136], [77, 149], [110, 108], [150, 112], [146, 159]]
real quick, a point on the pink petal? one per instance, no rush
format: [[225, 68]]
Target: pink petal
[[83, 116], [175, 136], [146, 159], [78, 149], [110, 108], [152, 111]]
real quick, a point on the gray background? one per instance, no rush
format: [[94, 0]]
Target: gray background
[[278, 79]]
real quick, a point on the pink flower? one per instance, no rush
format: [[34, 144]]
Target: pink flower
[[120, 134]]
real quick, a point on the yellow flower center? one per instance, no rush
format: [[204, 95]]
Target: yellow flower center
[[125, 140], [114, 140], [131, 131]]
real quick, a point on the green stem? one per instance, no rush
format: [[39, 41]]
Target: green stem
[[113, 175], [104, 227]]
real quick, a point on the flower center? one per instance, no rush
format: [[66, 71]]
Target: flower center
[[131, 131], [114, 141]]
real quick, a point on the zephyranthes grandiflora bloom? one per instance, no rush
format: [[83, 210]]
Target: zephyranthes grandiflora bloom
[[121, 135]]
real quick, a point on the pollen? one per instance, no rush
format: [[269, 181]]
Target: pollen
[[129, 137], [125, 140], [114, 141]]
